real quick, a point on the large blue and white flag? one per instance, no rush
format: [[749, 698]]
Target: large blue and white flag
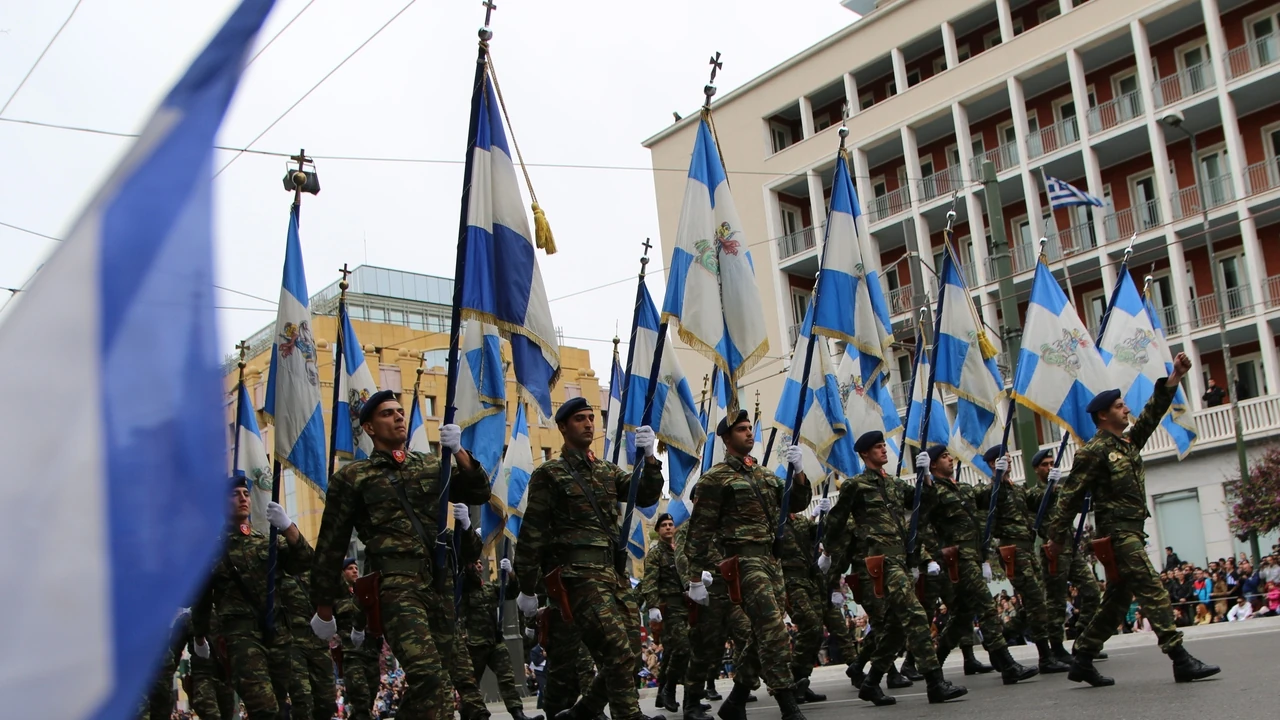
[[1059, 370], [939, 427], [868, 404], [622, 459], [116, 454], [481, 394], [293, 384], [967, 368], [1134, 348], [823, 421], [711, 284], [251, 461], [357, 386], [1063, 194], [508, 498], [418, 441], [502, 284]]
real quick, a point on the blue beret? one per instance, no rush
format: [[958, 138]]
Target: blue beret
[[725, 426], [935, 452], [571, 407], [1102, 401], [348, 563], [993, 453], [1040, 456], [239, 480], [868, 440], [371, 405], [664, 517]]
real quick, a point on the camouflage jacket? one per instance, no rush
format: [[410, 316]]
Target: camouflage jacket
[[560, 528], [662, 583], [362, 497], [927, 545], [246, 555], [1111, 468], [955, 516], [1035, 490], [1012, 521], [871, 517], [479, 610], [737, 503], [797, 547]]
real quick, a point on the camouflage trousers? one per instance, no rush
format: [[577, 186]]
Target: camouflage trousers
[[453, 652], [261, 672], [804, 606], [211, 696], [360, 679], [1073, 571], [973, 599], [158, 704], [606, 619], [718, 621], [764, 598], [938, 589], [675, 641], [573, 675], [311, 689], [897, 618], [1138, 579], [495, 656], [409, 621], [1026, 582]]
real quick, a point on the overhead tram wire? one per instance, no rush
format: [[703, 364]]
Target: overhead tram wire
[[43, 52]]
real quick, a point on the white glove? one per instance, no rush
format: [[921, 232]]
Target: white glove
[[528, 604], [698, 592], [933, 568], [323, 630], [824, 505], [202, 649], [1055, 475], [451, 437], [986, 571], [646, 440], [462, 516], [824, 562], [707, 579], [837, 599], [922, 462], [529, 633], [357, 637], [915, 574], [1002, 464], [505, 565], [655, 615], [278, 518], [795, 458]]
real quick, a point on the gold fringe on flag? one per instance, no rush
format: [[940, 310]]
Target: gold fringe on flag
[[542, 236]]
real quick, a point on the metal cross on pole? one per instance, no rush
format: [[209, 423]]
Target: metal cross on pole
[[710, 88], [489, 7]]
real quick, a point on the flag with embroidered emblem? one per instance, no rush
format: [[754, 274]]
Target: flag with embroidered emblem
[[356, 388], [482, 394], [251, 460], [868, 404]]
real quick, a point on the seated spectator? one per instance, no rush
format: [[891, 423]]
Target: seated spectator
[[1181, 618], [1140, 623], [1240, 611], [1203, 616], [1273, 598]]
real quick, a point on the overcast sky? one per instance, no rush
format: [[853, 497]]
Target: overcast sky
[[584, 83]]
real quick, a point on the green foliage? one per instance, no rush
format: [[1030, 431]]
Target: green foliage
[[1256, 499]]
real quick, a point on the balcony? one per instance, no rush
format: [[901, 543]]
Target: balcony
[[1114, 113], [1218, 192], [889, 204], [901, 300], [1125, 223], [970, 273], [899, 391], [1053, 137], [1263, 176], [1273, 292], [940, 184], [1066, 243], [1204, 310], [1183, 84], [1004, 157], [1168, 317], [796, 243], [1252, 56]]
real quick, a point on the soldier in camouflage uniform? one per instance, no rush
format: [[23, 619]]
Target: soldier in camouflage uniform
[[237, 591], [663, 593], [715, 625], [1014, 524], [1073, 568], [311, 692], [211, 697], [485, 645], [1110, 467], [571, 523], [370, 496], [737, 509], [869, 520], [804, 597]]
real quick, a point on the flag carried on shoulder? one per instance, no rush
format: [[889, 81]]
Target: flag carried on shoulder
[[482, 394], [1134, 348], [1063, 194], [116, 453], [357, 387], [508, 498], [251, 461]]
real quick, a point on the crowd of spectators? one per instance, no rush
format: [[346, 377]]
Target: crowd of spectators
[[1229, 590]]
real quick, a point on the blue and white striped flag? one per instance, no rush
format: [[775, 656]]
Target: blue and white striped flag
[[868, 405], [356, 389], [116, 448], [823, 421], [508, 499], [1064, 194], [418, 441], [616, 383], [711, 286], [251, 461], [1059, 370], [682, 481], [502, 284], [482, 394], [939, 427], [1135, 351]]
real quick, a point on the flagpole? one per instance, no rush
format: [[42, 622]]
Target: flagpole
[[620, 431], [637, 472], [911, 387], [417, 383], [235, 441], [340, 348], [768, 446]]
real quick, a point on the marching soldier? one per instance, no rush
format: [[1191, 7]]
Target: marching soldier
[[804, 597], [1110, 467], [210, 694], [663, 594], [568, 537], [361, 677], [485, 646], [391, 499], [260, 656], [870, 531], [311, 692], [717, 620]]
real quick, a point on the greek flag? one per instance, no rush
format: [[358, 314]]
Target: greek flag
[[681, 481], [823, 421], [939, 428], [1059, 369], [502, 284], [481, 394], [713, 449], [357, 386], [711, 286], [1134, 348], [115, 450], [251, 461], [616, 381], [967, 368], [868, 404], [1063, 194], [418, 441], [638, 544], [508, 499]]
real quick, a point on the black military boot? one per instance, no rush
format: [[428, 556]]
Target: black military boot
[[1186, 668], [751, 697], [855, 674], [871, 692], [712, 695], [518, 714], [972, 665], [1048, 663], [1082, 670], [908, 669], [940, 690], [897, 680], [658, 716], [1060, 653], [787, 703], [734, 707], [1099, 655], [804, 694], [667, 696], [1010, 671], [579, 711], [693, 709]]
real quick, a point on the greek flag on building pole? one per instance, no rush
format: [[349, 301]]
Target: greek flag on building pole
[[252, 462], [616, 379], [116, 457], [507, 502], [482, 392], [357, 387], [1063, 194], [418, 441]]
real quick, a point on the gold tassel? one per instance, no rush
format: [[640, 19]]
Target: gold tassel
[[984, 345], [542, 231]]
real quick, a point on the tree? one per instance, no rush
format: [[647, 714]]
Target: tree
[[1256, 499]]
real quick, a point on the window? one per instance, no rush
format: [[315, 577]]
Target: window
[[1231, 273], [1095, 305], [377, 315], [791, 220], [436, 358], [1215, 176], [913, 78], [799, 305], [1065, 112], [878, 187], [1048, 12], [429, 405], [572, 391], [1125, 84], [1262, 31], [546, 453], [926, 166], [417, 321], [1146, 208], [939, 64], [866, 100], [1006, 133], [781, 135], [822, 123], [1249, 382], [991, 39], [1018, 27], [390, 378], [962, 52], [1194, 62], [953, 155], [891, 278], [890, 89]]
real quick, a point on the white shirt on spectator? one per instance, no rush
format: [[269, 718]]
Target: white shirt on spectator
[[1239, 612]]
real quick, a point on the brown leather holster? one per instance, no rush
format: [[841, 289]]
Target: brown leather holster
[[694, 610], [875, 568], [655, 628], [224, 657], [1051, 557], [543, 619], [558, 594], [1009, 555], [951, 558], [732, 577], [368, 590], [855, 586], [1107, 556]]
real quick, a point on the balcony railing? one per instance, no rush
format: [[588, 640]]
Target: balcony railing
[[1204, 310], [901, 300], [899, 392], [944, 182], [1263, 176], [1273, 291], [1003, 157], [1218, 191], [890, 204], [1115, 112], [1053, 138], [796, 243], [1184, 84], [1252, 56], [970, 272], [1072, 240], [1168, 316], [1124, 223]]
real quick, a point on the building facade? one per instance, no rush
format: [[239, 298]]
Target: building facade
[[1085, 91], [402, 320]]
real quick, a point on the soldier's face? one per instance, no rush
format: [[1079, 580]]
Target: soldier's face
[[240, 504], [944, 466], [877, 456], [666, 529], [1117, 415], [387, 426], [740, 439], [579, 429], [1042, 470], [351, 573]]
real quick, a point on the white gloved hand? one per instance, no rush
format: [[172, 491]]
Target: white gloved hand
[[462, 516], [837, 599], [357, 637], [451, 437], [795, 458], [278, 518], [528, 604], [1002, 464], [505, 565], [698, 593], [933, 568], [915, 574], [1055, 475], [646, 440], [529, 633], [824, 562], [824, 505], [922, 462], [323, 630], [655, 615], [986, 571], [202, 649], [707, 579]]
